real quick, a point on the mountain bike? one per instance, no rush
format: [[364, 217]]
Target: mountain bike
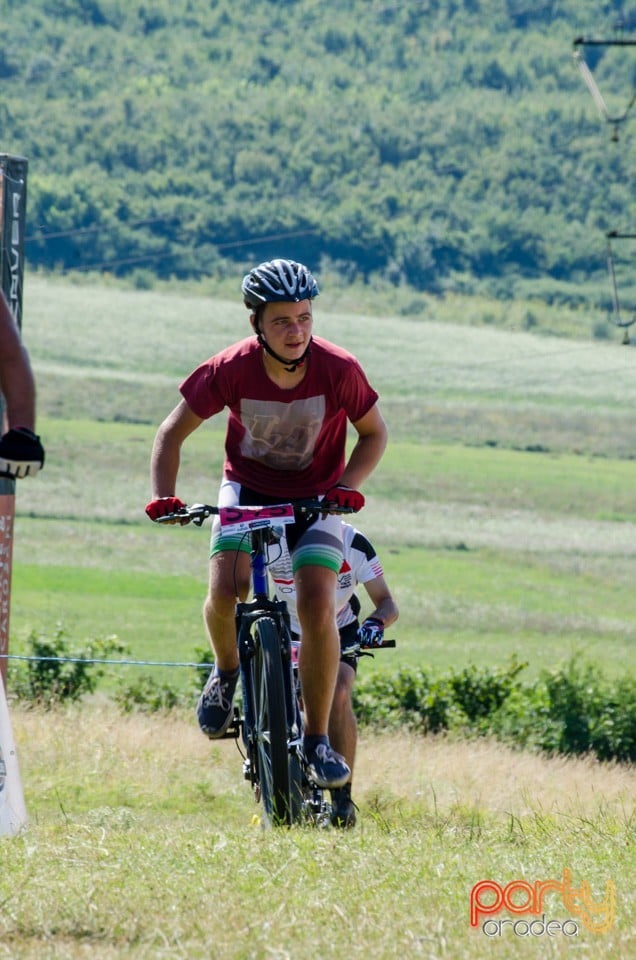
[[270, 724]]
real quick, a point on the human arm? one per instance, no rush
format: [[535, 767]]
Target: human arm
[[166, 457], [386, 609], [16, 376], [21, 452], [367, 451]]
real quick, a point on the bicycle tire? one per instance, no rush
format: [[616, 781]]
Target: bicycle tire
[[270, 723]]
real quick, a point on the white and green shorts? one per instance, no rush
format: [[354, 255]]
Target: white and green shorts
[[312, 541]]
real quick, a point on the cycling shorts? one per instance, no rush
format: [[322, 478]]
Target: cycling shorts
[[312, 541]]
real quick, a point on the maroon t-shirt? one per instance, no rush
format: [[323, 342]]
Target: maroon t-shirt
[[287, 443]]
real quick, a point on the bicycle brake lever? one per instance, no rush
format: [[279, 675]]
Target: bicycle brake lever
[[198, 512]]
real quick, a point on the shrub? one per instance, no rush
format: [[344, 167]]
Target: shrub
[[479, 692], [613, 729], [571, 709], [148, 695], [56, 672], [407, 698]]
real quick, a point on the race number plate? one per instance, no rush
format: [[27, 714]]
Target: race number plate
[[244, 519]]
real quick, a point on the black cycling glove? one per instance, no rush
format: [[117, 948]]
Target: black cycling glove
[[21, 453]]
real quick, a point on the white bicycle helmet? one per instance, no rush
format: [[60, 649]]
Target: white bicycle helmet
[[278, 281]]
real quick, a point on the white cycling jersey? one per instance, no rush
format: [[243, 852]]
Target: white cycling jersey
[[360, 565]]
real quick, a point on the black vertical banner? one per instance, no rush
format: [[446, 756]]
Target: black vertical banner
[[13, 181], [13, 193]]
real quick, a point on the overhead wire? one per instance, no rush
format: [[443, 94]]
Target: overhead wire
[[159, 255]]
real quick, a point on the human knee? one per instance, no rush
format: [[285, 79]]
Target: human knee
[[344, 683], [229, 578], [315, 624], [315, 602], [341, 697], [220, 601], [218, 605]]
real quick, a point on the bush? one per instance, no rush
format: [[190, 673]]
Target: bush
[[204, 658], [408, 698], [149, 696], [480, 692], [572, 709], [58, 672]]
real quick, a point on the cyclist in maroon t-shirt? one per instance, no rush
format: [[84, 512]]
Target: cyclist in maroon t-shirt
[[290, 397]]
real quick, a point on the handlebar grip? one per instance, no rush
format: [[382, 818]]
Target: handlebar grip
[[196, 514], [183, 517], [317, 506], [386, 644]]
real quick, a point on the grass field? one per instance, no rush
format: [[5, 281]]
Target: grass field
[[504, 514], [503, 508], [143, 844]]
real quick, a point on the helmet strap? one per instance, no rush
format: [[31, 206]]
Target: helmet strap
[[289, 365]]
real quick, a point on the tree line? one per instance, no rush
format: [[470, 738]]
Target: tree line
[[440, 144]]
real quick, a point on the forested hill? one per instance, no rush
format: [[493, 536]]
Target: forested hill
[[440, 143]]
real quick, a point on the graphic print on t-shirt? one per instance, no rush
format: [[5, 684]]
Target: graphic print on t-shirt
[[282, 435]]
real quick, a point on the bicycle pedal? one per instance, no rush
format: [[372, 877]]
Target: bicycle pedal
[[234, 730], [232, 733]]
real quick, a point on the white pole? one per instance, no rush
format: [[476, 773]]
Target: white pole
[[13, 815]]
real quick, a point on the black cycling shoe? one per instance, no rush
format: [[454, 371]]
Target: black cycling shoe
[[214, 709], [324, 766], [343, 809]]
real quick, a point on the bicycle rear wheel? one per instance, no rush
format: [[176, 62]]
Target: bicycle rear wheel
[[270, 724]]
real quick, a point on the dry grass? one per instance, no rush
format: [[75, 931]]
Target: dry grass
[[441, 775], [107, 751]]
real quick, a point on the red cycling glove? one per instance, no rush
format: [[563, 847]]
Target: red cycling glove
[[163, 506], [342, 496]]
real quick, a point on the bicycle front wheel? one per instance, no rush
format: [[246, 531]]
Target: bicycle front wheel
[[270, 724]]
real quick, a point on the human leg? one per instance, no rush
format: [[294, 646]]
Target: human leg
[[214, 709], [343, 733], [319, 650], [316, 561], [228, 577], [343, 736]]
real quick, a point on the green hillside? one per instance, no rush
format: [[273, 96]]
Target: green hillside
[[442, 144]]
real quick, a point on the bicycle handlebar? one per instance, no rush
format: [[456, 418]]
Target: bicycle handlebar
[[199, 512]]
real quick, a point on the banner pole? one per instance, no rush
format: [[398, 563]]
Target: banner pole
[[13, 188]]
